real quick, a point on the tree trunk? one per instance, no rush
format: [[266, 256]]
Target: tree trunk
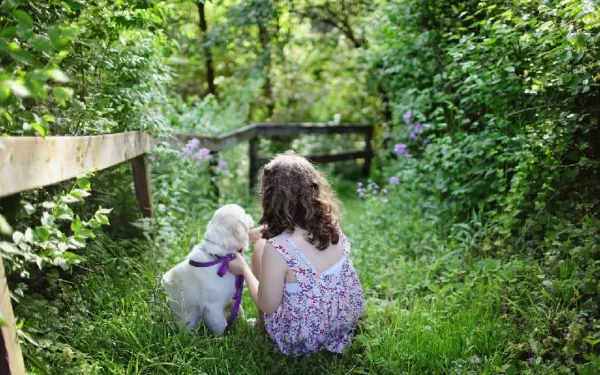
[[263, 35], [210, 72]]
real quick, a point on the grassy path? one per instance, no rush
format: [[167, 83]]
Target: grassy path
[[117, 322]]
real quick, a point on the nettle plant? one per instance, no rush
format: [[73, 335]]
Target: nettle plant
[[59, 234]]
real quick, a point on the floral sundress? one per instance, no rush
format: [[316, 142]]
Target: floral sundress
[[321, 309]]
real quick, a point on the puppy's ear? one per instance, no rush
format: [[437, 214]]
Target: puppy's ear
[[249, 221], [239, 234]]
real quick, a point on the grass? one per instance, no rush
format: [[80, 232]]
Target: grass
[[426, 313]]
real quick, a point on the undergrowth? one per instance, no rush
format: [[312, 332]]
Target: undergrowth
[[431, 308]]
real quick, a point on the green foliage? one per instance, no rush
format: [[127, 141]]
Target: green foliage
[[484, 259], [53, 241], [505, 93], [63, 72]]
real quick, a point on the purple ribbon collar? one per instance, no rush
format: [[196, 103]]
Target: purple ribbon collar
[[221, 271]]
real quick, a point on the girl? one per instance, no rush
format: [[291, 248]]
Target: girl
[[309, 293]]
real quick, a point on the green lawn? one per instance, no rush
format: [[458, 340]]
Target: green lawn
[[426, 313]]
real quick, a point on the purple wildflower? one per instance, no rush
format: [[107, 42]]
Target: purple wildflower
[[400, 148], [374, 192], [418, 127], [406, 117], [190, 147], [384, 191], [425, 141], [222, 165], [152, 158], [531, 360], [394, 180], [384, 200], [203, 154], [37, 134], [412, 136], [361, 192]]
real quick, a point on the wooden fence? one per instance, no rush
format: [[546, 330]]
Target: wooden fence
[[32, 162], [253, 132]]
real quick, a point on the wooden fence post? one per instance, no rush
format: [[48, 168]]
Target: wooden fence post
[[369, 151], [141, 180], [214, 177], [253, 154], [11, 358]]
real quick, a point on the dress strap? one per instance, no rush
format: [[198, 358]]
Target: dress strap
[[288, 255], [346, 245], [297, 252]]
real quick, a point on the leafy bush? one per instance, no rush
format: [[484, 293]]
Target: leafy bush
[[63, 72], [494, 120]]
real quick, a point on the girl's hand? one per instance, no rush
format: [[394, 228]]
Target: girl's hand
[[254, 234], [238, 265]]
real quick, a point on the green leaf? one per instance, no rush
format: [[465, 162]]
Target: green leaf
[[42, 233], [102, 219], [58, 75], [9, 32], [25, 58], [41, 43], [40, 129], [24, 25], [28, 235], [4, 91], [510, 69], [84, 183], [54, 32], [5, 228], [62, 94], [18, 88], [577, 40], [29, 208], [76, 224], [4, 46], [80, 193], [18, 237], [23, 17], [9, 5], [9, 248], [74, 4], [592, 341]]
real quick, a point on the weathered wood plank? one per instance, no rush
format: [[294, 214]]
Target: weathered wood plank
[[325, 158], [254, 162], [141, 181], [218, 143], [268, 129], [223, 141], [32, 162], [11, 358]]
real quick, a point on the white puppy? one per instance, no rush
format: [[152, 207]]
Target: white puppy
[[198, 292]]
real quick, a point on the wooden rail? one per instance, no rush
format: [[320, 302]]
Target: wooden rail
[[32, 162], [253, 132]]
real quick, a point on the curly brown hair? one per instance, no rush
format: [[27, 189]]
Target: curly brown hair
[[294, 194]]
